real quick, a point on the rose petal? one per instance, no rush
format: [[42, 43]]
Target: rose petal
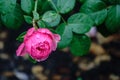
[[44, 30], [30, 31], [37, 38], [28, 44], [55, 41], [57, 37], [21, 50]]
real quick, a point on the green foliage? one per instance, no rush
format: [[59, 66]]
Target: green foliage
[[36, 15], [91, 6], [64, 17], [27, 6], [21, 36], [99, 16], [28, 19], [66, 35], [32, 60], [7, 6], [80, 23], [51, 18], [80, 45], [65, 6], [114, 1], [82, 1], [41, 24], [113, 18], [43, 6], [13, 19], [111, 2], [62, 6]]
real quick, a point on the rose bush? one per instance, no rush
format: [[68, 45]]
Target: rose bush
[[72, 21], [38, 43]]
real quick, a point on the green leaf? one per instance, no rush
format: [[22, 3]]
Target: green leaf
[[92, 6], [111, 2], [41, 24], [99, 16], [64, 6], [80, 23], [21, 36], [7, 6], [80, 18], [27, 6], [51, 18], [28, 19], [52, 30], [79, 28], [82, 1], [113, 19], [80, 45], [13, 19], [43, 6], [32, 60], [114, 1], [60, 29], [66, 35], [53, 4], [106, 1], [35, 15]]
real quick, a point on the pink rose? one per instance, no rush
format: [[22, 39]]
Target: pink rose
[[38, 44]]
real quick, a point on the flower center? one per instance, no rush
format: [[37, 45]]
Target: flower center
[[38, 48], [42, 46]]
